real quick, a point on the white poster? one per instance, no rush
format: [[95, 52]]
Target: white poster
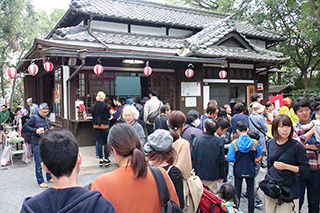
[[191, 101], [190, 89]]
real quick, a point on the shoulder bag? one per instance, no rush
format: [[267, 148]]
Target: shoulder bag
[[168, 206], [153, 115]]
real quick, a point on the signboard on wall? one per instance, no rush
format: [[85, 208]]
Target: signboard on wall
[[190, 89], [250, 90], [259, 86]]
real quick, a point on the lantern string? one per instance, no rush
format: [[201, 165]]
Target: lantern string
[[32, 60]]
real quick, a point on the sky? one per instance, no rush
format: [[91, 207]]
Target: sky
[[47, 5]]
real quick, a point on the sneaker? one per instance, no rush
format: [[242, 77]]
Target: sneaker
[[244, 195], [107, 162], [101, 163], [43, 185], [258, 204], [50, 181]]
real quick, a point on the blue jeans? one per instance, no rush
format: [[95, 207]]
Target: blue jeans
[[312, 182], [37, 162]]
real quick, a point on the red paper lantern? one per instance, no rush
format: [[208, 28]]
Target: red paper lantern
[[48, 66], [98, 69], [222, 74], [189, 73], [33, 69], [11, 72], [147, 70]]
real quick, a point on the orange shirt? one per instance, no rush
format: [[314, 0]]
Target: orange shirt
[[129, 194]]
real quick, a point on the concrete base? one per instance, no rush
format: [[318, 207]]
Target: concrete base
[[90, 164]]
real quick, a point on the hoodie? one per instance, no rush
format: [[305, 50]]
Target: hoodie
[[75, 199], [244, 157], [244, 144]]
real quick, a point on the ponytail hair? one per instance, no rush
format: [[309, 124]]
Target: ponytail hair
[[125, 141], [176, 121]]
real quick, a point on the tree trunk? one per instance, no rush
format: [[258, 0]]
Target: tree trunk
[[12, 91], [305, 79], [2, 81]]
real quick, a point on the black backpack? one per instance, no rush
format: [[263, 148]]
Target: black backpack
[[168, 206]]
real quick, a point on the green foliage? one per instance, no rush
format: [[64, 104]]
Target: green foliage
[[20, 24]]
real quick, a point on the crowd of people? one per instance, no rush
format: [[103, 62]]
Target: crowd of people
[[221, 147]]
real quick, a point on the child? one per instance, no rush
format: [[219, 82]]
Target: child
[[243, 152], [315, 124], [227, 193]]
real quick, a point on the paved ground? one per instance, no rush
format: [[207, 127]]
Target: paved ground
[[18, 183]]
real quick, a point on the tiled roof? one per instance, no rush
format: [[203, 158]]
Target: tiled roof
[[202, 42], [236, 53], [80, 33], [151, 12]]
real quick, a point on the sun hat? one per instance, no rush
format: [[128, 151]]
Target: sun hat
[[159, 141]]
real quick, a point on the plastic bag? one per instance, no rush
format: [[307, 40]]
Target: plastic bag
[[6, 155], [26, 155]]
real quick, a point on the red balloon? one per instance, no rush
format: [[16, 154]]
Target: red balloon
[[11, 72], [189, 73], [222, 74], [98, 69], [48, 66], [33, 69], [147, 70]]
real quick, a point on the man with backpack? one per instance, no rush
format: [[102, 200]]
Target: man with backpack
[[243, 153], [151, 110]]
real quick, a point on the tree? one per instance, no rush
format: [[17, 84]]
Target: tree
[[19, 25], [297, 20]]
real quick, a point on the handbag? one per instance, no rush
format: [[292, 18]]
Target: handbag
[[168, 206], [192, 191], [277, 189]]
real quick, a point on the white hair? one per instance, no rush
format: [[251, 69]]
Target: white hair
[[100, 96], [133, 109]]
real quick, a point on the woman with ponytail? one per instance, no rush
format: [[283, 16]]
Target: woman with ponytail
[[177, 121], [131, 187]]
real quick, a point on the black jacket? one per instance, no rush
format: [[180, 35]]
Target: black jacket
[[75, 199], [208, 157], [34, 123], [100, 113]]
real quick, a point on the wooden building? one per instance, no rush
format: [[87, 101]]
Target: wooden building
[[124, 34]]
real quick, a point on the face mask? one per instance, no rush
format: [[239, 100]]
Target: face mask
[[197, 122]]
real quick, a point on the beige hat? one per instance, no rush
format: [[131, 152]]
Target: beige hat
[[257, 108]]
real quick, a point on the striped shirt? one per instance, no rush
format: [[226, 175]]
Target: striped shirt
[[312, 154]]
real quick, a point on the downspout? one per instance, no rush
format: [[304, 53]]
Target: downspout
[[82, 55], [94, 36]]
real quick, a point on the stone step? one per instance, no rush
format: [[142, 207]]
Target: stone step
[[90, 163]]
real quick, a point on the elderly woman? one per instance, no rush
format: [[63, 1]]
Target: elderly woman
[[130, 114], [101, 114]]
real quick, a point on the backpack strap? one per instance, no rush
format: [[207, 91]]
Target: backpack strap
[[254, 147], [161, 184], [235, 146]]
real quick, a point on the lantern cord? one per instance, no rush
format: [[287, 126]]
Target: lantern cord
[[32, 60]]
